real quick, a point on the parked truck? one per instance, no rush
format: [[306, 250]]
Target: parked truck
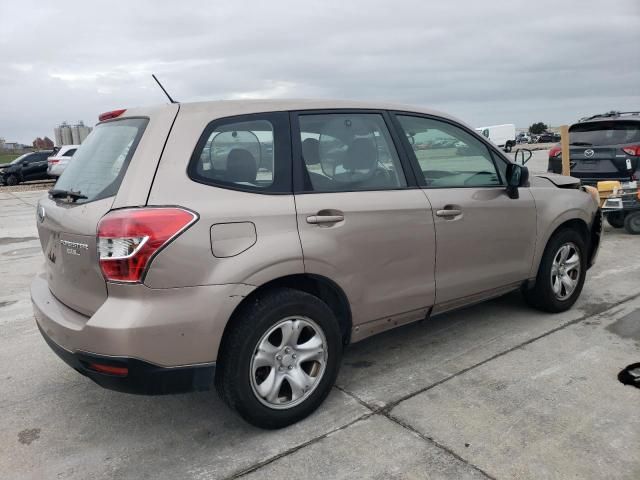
[[504, 136]]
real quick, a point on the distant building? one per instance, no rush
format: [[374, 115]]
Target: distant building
[[43, 143], [66, 134]]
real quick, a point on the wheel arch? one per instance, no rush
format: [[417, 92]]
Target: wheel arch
[[319, 286], [563, 222]]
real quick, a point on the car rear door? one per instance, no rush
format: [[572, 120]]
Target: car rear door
[[361, 223], [484, 239]]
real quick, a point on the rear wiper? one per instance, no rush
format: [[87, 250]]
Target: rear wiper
[[581, 144], [57, 193]]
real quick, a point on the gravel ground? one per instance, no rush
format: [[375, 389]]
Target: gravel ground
[[28, 186]]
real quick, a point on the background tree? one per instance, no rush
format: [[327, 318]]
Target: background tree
[[538, 128]]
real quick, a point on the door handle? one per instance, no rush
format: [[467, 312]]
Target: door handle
[[315, 219], [449, 212]]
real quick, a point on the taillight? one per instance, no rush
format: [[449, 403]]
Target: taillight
[[129, 239], [633, 150], [555, 151], [111, 114], [52, 161]]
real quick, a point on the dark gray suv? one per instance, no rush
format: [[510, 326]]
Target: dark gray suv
[[603, 147]]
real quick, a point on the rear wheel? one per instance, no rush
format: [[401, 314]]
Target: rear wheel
[[632, 223], [12, 180], [280, 358], [508, 146], [615, 219], [561, 273]]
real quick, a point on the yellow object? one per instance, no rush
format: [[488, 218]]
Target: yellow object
[[606, 188]]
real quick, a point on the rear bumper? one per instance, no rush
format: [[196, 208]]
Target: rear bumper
[[158, 333], [141, 377]]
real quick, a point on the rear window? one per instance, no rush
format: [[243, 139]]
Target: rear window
[[605, 133], [100, 163]]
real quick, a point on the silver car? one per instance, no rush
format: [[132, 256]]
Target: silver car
[[57, 162], [246, 243]]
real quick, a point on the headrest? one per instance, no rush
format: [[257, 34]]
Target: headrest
[[362, 155], [311, 151], [241, 166]]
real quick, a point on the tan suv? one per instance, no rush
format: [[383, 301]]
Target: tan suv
[[246, 243]]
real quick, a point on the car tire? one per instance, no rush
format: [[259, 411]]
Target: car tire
[[12, 180], [632, 223], [276, 389], [560, 276], [615, 219], [508, 147]]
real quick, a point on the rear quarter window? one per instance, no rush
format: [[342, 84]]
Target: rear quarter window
[[100, 163]]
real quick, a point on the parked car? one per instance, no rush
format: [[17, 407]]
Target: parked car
[[548, 137], [602, 147], [59, 160], [30, 166], [504, 136], [523, 137], [172, 264]]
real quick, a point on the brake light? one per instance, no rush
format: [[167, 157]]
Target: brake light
[[112, 114], [52, 161], [129, 239], [555, 151], [633, 150]]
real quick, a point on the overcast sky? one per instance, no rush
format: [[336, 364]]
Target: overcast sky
[[487, 62]]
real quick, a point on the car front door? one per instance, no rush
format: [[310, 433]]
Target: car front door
[[35, 167], [360, 222], [484, 239]]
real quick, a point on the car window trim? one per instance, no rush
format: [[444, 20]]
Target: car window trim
[[298, 162], [414, 159], [282, 182]]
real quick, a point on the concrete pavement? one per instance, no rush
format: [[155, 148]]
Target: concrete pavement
[[493, 391]]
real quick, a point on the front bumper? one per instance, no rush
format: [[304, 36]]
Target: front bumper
[[596, 237], [165, 335]]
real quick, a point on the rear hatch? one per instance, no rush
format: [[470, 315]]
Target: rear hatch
[[89, 187], [597, 148]]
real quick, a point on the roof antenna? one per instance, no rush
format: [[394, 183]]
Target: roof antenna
[[165, 92]]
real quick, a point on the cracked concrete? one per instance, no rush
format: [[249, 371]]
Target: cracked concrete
[[494, 391]]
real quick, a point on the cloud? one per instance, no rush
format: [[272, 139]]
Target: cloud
[[486, 62]]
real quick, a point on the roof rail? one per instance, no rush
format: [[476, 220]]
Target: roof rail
[[610, 114]]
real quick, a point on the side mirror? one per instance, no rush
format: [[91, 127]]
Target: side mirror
[[522, 156], [517, 176]]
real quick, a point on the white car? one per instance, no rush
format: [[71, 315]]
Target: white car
[[59, 160]]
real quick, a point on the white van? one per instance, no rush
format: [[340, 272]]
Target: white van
[[503, 136]]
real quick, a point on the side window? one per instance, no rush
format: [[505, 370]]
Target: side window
[[347, 152], [69, 153], [237, 154], [449, 156]]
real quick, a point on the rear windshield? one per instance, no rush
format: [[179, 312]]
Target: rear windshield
[[605, 133], [101, 161]]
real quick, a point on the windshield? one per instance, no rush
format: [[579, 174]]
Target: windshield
[[99, 164], [19, 159], [605, 133]]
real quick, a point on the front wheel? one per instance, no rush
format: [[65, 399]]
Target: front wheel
[[561, 273], [12, 180], [632, 223], [280, 358]]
